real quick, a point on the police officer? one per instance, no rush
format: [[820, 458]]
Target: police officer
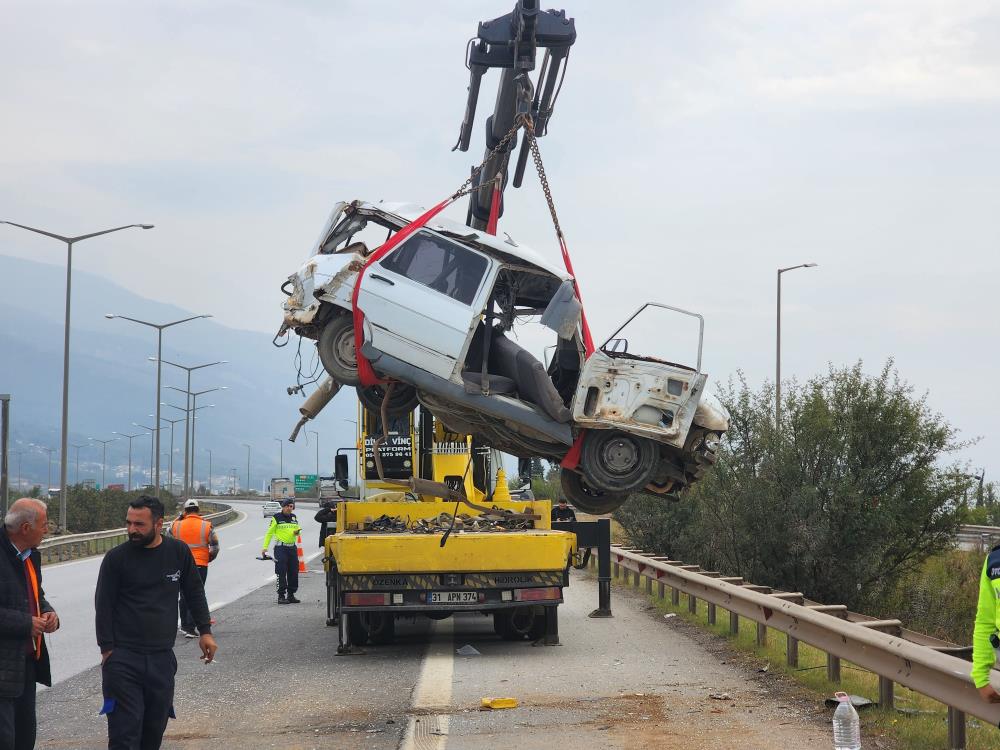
[[285, 528], [985, 642]]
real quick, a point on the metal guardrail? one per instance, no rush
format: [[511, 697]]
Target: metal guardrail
[[72, 546], [978, 538], [926, 665]]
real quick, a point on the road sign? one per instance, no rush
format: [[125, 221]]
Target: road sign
[[304, 482]]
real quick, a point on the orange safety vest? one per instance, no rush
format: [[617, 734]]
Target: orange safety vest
[[33, 578], [195, 532]]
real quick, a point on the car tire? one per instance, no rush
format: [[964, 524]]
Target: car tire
[[336, 350], [617, 461], [381, 627], [587, 498], [402, 400]]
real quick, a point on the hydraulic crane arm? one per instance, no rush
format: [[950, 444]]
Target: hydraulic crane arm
[[511, 43]]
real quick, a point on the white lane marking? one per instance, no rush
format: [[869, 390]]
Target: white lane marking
[[236, 545], [433, 691], [259, 538]]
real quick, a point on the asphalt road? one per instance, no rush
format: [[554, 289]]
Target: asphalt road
[[69, 586], [634, 682]]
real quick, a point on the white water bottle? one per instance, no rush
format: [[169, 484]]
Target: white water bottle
[[846, 725]]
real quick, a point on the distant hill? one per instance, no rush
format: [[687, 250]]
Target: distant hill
[[112, 383]]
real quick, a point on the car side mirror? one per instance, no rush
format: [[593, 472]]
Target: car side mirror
[[340, 470], [562, 314]]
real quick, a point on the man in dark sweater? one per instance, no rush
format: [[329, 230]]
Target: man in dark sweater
[[24, 616], [136, 603]]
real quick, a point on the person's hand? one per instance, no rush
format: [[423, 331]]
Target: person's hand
[[105, 655], [37, 626], [989, 694], [51, 622], [208, 647]]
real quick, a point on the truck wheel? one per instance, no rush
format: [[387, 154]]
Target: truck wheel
[[515, 624], [336, 350], [538, 626], [588, 498], [402, 401], [381, 627], [616, 461], [357, 629]]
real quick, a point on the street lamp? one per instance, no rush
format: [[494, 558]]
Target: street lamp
[[777, 358], [247, 446], [159, 351], [78, 447], [189, 455], [281, 457], [209, 470], [170, 459], [152, 447], [50, 451], [104, 459], [193, 397], [65, 385], [130, 439]]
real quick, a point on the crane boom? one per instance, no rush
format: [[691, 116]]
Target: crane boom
[[511, 43]]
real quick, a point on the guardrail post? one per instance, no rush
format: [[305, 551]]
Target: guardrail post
[[711, 613], [661, 590], [692, 604], [833, 668], [675, 596], [734, 623], [617, 570], [649, 585], [956, 729], [761, 635], [792, 652], [886, 697], [638, 577]]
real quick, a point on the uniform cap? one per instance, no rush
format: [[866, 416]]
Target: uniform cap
[[287, 501], [190, 504]]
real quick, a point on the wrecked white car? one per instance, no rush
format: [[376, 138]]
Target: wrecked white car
[[440, 310]]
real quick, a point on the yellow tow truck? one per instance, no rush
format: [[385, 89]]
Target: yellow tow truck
[[397, 553]]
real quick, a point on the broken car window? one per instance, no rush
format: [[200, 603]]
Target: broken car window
[[444, 266]]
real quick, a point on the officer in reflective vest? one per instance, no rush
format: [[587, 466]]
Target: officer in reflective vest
[[199, 535], [285, 528]]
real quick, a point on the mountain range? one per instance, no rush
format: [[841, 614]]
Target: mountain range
[[113, 383]]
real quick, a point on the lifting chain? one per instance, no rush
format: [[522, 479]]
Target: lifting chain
[[529, 133], [466, 187]]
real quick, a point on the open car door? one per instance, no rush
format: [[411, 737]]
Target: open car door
[[422, 301]]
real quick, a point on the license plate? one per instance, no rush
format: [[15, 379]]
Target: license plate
[[454, 597]]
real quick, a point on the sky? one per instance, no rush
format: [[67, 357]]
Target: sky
[[695, 149]]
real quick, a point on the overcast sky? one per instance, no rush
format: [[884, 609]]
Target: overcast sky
[[696, 148]]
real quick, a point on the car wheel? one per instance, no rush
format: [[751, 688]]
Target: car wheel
[[336, 350], [381, 627], [357, 629], [402, 400], [514, 624], [586, 497], [617, 461]]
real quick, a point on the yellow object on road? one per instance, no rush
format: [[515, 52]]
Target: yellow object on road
[[498, 703]]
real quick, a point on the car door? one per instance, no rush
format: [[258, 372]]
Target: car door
[[423, 300]]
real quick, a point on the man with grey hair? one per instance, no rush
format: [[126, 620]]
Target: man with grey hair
[[24, 616]]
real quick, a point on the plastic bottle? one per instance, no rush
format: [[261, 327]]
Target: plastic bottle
[[846, 725]]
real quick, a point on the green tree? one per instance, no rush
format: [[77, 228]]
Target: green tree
[[851, 493]]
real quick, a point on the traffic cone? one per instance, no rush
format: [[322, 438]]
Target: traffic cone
[[302, 557]]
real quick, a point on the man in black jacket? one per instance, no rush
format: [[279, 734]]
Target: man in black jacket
[[24, 617], [136, 603]]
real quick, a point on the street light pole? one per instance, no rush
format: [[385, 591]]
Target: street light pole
[[777, 355], [317, 451], [4, 449], [78, 447], [50, 451], [193, 397], [130, 438], [170, 459], [281, 457], [104, 459], [159, 353], [188, 428], [152, 447], [65, 385], [247, 446], [209, 470]]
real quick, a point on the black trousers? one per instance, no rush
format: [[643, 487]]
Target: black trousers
[[286, 565], [138, 697], [187, 620], [17, 715]]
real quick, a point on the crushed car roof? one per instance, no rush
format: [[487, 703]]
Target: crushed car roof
[[410, 211]]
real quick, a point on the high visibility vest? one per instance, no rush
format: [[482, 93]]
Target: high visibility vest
[[195, 532]]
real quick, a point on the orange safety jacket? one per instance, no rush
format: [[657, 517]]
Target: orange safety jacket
[[196, 533]]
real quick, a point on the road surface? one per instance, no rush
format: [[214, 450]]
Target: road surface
[[634, 682], [69, 586]]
